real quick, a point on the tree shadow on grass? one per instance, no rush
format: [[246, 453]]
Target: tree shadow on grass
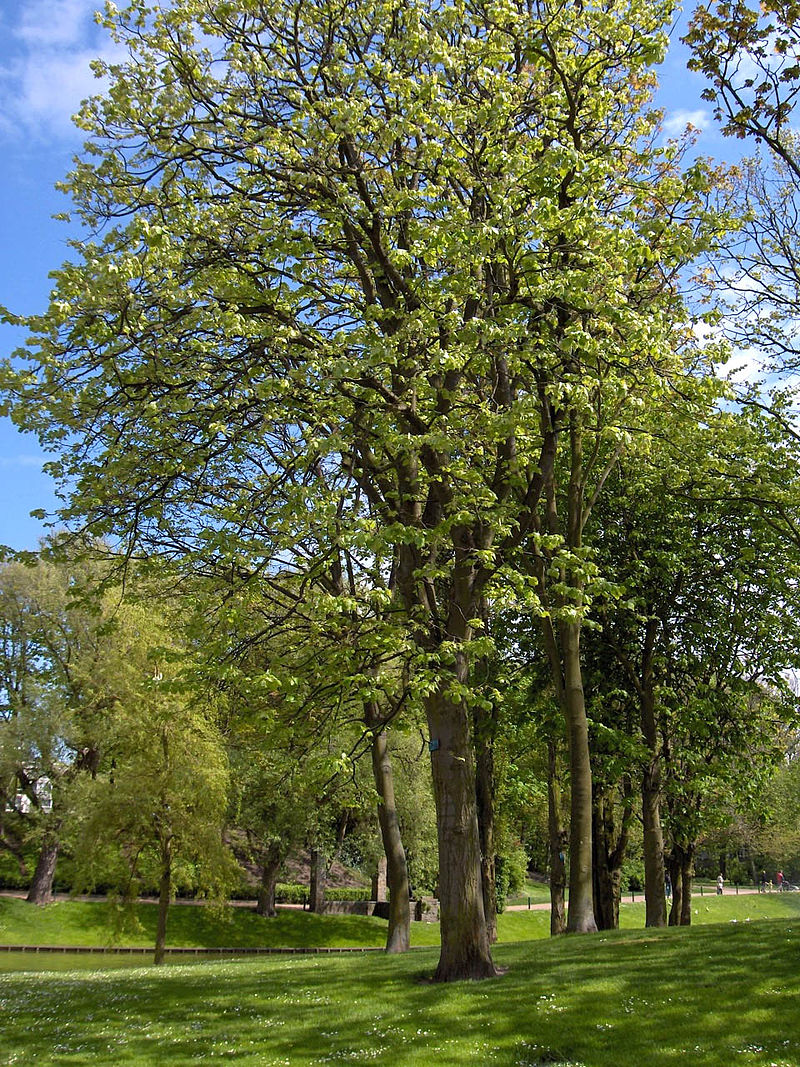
[[716, 995]]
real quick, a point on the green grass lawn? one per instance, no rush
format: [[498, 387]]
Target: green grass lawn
[[92, 923], [713, 995], [536, 892], [75, 922]]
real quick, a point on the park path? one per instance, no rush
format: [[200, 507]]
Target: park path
[[638, 898]]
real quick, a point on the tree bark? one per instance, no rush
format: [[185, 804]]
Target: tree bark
[[558, 844], [269, 878], [681, 860], [485, 728], [465, 951], [674, 868], [687, 871], [655, 900], [609, 843], [398, 936], [580, 915], [316, 895], [164, 897], [41, 887]]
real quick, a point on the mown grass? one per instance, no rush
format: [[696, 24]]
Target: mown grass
[[74, 922], [536, 892], [714, 995], [84, 923]]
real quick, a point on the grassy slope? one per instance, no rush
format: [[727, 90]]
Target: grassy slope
[[84, 923], [90, 923], [715, 995]]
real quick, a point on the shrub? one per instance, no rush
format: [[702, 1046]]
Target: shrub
[[293, 893]]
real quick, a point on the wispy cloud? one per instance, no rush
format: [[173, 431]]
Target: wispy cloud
[[45, 71], [55, 23], [7, 462], [675, 124]]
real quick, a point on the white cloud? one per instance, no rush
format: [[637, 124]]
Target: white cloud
[[677, 122], [46, 24], [22, 461], [45, 73], [744, 365]]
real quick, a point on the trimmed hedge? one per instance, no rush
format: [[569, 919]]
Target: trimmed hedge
[[292, 893]]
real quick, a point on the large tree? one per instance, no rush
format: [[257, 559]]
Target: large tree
[[409, 271]]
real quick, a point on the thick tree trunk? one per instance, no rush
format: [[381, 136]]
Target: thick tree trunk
[[164, 897], [655, 900], [269, 879], [41, 887], [398, 935], [465, 951], [316, 895], [580, 916], [558, 844], [485, 728]]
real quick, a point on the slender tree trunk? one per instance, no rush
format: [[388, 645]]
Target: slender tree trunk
[[681, 862], [687, 871], [164, 897], [580, 915], [676, 879], [316, 896], [41, 887], [558, 844], [465, 951], [485, 728], [655, 900], [269, 878], [398, 935]]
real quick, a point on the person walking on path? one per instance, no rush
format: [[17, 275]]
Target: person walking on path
[[762, 885], [779, 880], [720, 884]]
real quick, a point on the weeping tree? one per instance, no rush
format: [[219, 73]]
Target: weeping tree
[[65, 644], [408, 272], [153, 819]]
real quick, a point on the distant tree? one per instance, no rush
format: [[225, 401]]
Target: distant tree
[[65, 640], [157, 815]]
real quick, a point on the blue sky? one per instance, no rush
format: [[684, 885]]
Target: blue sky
[[45, 49]]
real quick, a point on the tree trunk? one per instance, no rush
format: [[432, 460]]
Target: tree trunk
[[558, 844], [606, 871], [164, 897], [465, 951], [269, 878], [485, 728], [677, 889], [580, 916], [655, 900], [398, 935], [681, 860], [41, 887], [316, 896], [687, 872]]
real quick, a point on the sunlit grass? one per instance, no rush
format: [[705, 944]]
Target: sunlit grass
[[82, 923], [715, 995]]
